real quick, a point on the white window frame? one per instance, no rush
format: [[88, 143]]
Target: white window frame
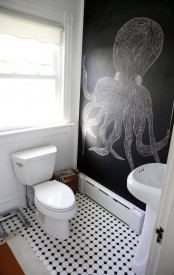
[[43, 11]]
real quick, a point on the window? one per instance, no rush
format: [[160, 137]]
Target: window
[[30, 72]]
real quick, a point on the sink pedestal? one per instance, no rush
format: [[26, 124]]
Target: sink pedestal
[[145, 183], [139, 261]]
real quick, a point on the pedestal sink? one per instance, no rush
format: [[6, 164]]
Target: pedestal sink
[[145, 183]]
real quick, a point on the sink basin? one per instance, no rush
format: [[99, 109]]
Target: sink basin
[[145, 183]]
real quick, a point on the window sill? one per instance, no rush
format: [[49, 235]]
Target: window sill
[[24, 134]]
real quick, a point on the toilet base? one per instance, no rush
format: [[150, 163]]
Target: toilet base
[[59, 229]]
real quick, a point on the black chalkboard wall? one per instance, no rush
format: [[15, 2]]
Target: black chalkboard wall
[[127, 89]]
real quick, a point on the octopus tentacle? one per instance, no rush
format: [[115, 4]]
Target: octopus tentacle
[[87, 127], [92, 122], [145, 150], [100, 151], [88, 108], [138, 128], [128, 140], [151, 137], [139, 125], [140, 122], [88, 95], [102, 131], [114, 136]]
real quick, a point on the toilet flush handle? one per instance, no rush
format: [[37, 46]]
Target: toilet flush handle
[[19, 164]]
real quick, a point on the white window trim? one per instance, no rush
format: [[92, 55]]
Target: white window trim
[[44, 11], [35, 132]]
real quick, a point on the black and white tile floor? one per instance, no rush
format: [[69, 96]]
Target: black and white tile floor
[[99, 242]]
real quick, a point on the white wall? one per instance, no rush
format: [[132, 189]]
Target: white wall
[[65, 138]]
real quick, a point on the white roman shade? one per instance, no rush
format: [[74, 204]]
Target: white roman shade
[[29, 27]]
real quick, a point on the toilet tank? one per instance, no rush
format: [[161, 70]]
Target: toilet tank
[[34, 165]]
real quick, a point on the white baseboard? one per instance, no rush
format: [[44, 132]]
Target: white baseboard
[[124, 210], [16, 202]]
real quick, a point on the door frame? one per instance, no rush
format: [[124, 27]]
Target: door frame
[[160, 260]]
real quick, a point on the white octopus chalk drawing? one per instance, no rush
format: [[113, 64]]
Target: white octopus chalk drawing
[[123, 100]]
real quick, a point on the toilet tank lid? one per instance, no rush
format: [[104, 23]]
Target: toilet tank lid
[[39, 152]]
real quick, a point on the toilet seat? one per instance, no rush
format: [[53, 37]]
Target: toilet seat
[[54, 195]]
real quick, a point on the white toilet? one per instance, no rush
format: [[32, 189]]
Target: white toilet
[[55, 202]]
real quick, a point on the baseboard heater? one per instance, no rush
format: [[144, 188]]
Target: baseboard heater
[[121, 208]]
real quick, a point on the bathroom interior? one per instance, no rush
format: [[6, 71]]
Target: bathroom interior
[[100, 102]]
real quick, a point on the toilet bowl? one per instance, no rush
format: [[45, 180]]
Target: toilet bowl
[[55, 202], [56, 205]]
